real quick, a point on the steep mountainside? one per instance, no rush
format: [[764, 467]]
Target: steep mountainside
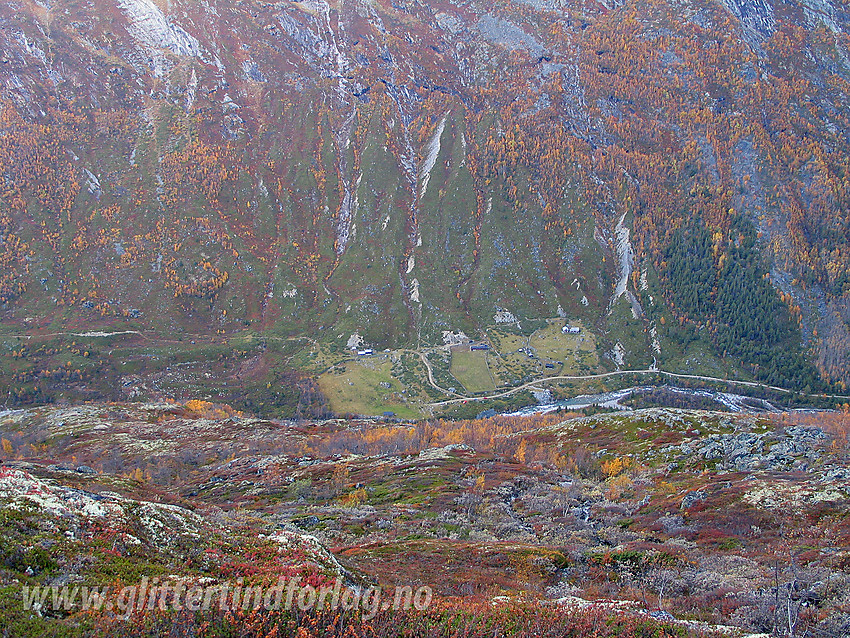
[[672, 174]]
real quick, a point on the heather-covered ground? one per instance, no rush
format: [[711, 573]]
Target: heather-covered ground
[[648, 523]]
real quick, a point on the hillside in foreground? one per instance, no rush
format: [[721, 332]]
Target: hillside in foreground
[[656, 522]]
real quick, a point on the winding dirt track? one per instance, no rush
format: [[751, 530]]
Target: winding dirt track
[[751, 384]]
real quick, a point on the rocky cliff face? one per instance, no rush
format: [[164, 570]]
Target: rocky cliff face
[[402, 169]]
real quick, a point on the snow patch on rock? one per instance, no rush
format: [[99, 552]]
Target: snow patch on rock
[[350, 204], [191, 90], [432, 151], [625, 255]]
